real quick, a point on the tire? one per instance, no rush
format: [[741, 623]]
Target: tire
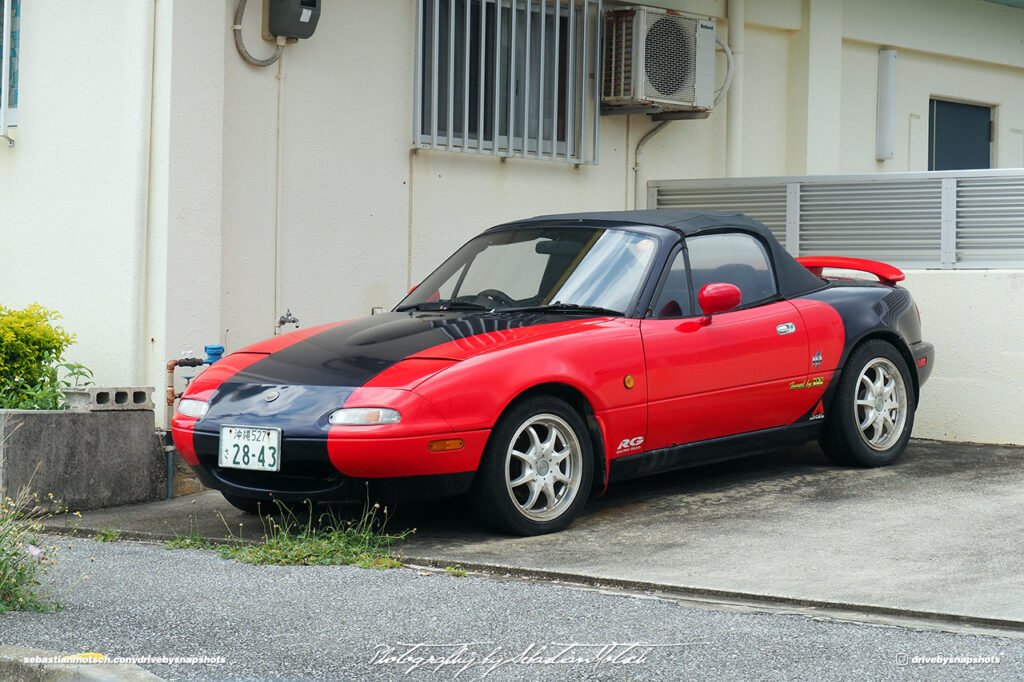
[[536, 471], [872, 415]]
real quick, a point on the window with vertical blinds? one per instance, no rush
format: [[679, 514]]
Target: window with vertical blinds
[[508, 78], [10, 38]]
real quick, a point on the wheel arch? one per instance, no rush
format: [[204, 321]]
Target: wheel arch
[[579, 402], [897, 342]]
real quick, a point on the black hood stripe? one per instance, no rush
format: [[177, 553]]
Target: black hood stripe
[[352, 354]]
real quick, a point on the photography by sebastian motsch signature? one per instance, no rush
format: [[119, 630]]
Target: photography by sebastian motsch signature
[[484, 658]]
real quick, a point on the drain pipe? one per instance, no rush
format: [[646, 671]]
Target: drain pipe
[[734, 101], [213, 354], [636, 159]]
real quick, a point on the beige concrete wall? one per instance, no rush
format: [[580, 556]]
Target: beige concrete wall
[[973, 393]]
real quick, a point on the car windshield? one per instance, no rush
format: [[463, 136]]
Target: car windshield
[[565, 269]]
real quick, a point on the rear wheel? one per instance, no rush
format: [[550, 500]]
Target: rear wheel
[[872, 415], [535, 474]]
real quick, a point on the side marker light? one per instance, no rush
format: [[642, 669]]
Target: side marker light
[[447, 445]]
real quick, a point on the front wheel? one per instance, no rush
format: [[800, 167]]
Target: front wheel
[[535, 475], [872, 414]]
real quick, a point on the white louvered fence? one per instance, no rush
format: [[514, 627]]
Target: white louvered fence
[[949, 219]]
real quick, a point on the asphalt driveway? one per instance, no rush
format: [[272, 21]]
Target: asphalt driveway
[[937, 536]]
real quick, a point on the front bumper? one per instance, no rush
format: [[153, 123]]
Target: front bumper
[[336, 469]]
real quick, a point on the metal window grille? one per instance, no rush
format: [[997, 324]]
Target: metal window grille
[[509, 78], [10, 32], [948, 219]]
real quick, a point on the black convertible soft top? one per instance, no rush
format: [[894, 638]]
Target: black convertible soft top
[[794, 279]]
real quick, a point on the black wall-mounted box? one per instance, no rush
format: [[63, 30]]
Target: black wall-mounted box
[[292, 19]]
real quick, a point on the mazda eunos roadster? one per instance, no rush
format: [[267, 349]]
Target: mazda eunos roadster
[[551, 356]]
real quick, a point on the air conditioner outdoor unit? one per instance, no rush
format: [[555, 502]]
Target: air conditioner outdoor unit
[[658, 59]]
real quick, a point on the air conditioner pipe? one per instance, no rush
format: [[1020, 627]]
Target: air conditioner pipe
[[636, 159]]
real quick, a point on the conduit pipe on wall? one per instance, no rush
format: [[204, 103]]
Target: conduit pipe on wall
[[734, 101], [636, 160], [142, 348], [236, 28]]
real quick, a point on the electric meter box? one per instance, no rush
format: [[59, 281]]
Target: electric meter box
[[291, 18]]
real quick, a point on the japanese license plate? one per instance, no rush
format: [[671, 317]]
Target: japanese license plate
[[250, 447]]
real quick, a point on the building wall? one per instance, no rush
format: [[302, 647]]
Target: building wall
[[197, 198], [73, 190], [973, 393]]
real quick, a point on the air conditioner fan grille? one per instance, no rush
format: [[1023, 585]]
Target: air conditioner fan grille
[[669, 57]]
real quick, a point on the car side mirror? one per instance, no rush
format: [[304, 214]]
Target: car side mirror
[[718, 297]]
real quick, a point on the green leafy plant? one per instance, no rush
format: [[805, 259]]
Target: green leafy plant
[[108, 535], [32, 371], [457, 570]]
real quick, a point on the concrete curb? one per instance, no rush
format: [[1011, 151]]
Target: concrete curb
[[838, 610], [137, 535], [14, 668]]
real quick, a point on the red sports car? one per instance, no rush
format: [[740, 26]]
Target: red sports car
[[551, 356]]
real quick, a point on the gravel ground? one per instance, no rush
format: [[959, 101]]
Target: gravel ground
[[344, 623]]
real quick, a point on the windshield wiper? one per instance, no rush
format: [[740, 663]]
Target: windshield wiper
[[443, 304], [564, 308]]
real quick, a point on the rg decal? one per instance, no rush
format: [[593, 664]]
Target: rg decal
[[630, 444]]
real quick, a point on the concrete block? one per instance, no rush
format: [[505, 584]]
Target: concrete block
[[97, 398], [88, 460]]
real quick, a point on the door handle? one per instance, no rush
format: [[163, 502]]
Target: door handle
[[785, 328]]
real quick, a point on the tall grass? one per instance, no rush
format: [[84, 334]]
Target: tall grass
[[24, 558], [308, 539]]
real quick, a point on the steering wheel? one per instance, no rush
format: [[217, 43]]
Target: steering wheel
[[498, 296]]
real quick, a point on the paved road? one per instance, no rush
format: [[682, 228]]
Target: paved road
[[340, 623], [939, 532]]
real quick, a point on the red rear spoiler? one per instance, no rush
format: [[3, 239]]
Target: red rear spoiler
[[886, 274]]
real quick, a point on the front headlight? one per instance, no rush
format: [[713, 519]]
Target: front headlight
[[364, 416], [187, 407]]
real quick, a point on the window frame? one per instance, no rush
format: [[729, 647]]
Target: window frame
[[695, 308], [559, 121], [934, 103], [678, 250], [10, 42]]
